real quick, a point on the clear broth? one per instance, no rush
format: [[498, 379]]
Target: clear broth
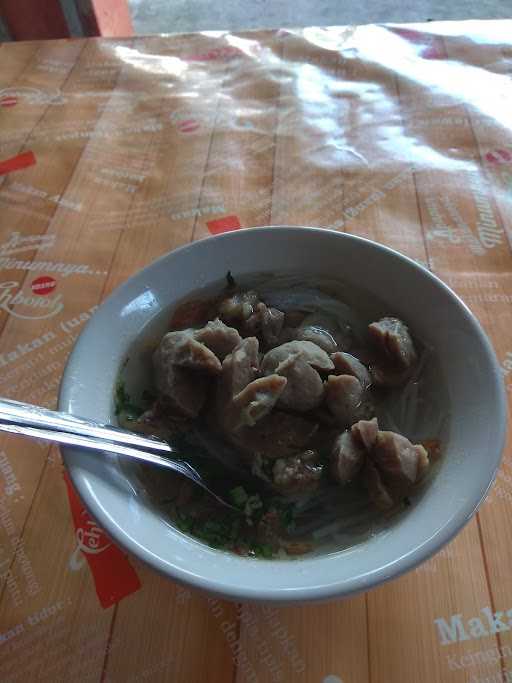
[[424, 416]]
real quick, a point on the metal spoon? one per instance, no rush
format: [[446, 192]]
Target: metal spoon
[[39, 423]]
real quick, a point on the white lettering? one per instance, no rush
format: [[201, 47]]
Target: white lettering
[[451, 632], [11, 483], [464, 228], [496, 625], [476, 628], [7, 299], [11, 633], [489, 233], [65, 269]]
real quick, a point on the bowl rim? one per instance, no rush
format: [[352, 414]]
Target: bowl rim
[[344, 588]]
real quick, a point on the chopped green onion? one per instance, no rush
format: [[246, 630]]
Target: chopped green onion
[[238, 496], [252, 504], [123, 403]]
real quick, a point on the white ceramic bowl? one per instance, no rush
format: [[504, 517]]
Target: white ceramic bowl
[[472, 447]]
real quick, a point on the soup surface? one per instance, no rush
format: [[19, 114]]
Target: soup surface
[[315, 411]]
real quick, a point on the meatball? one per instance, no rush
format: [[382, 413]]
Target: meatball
[[346, 400], [182, 349], [397, 355], [218, 337], [345, 364], [257, 399], [400, 463], [347, 458]]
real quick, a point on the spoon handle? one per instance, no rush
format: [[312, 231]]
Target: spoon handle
[[91, 442], [25, 419], [28, 415]]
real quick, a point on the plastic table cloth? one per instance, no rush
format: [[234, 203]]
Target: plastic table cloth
[[113, 152]]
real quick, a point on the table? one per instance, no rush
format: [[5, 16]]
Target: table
[[113, 152]]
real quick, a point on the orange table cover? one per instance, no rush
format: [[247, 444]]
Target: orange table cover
[[113, 152]]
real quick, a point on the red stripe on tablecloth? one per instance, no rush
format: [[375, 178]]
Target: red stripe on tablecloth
[[17, 162], [113, 575], [226, 224]]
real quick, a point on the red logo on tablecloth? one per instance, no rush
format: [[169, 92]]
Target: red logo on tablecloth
[[224, 53], [114, 577], [43, 285], [188, 126], [499, 156], [8, 101], [187, 121], [17, 304], [226, 224], [429, 45]]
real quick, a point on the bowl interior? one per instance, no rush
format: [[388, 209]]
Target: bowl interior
[[466, 386], [421, 413]]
